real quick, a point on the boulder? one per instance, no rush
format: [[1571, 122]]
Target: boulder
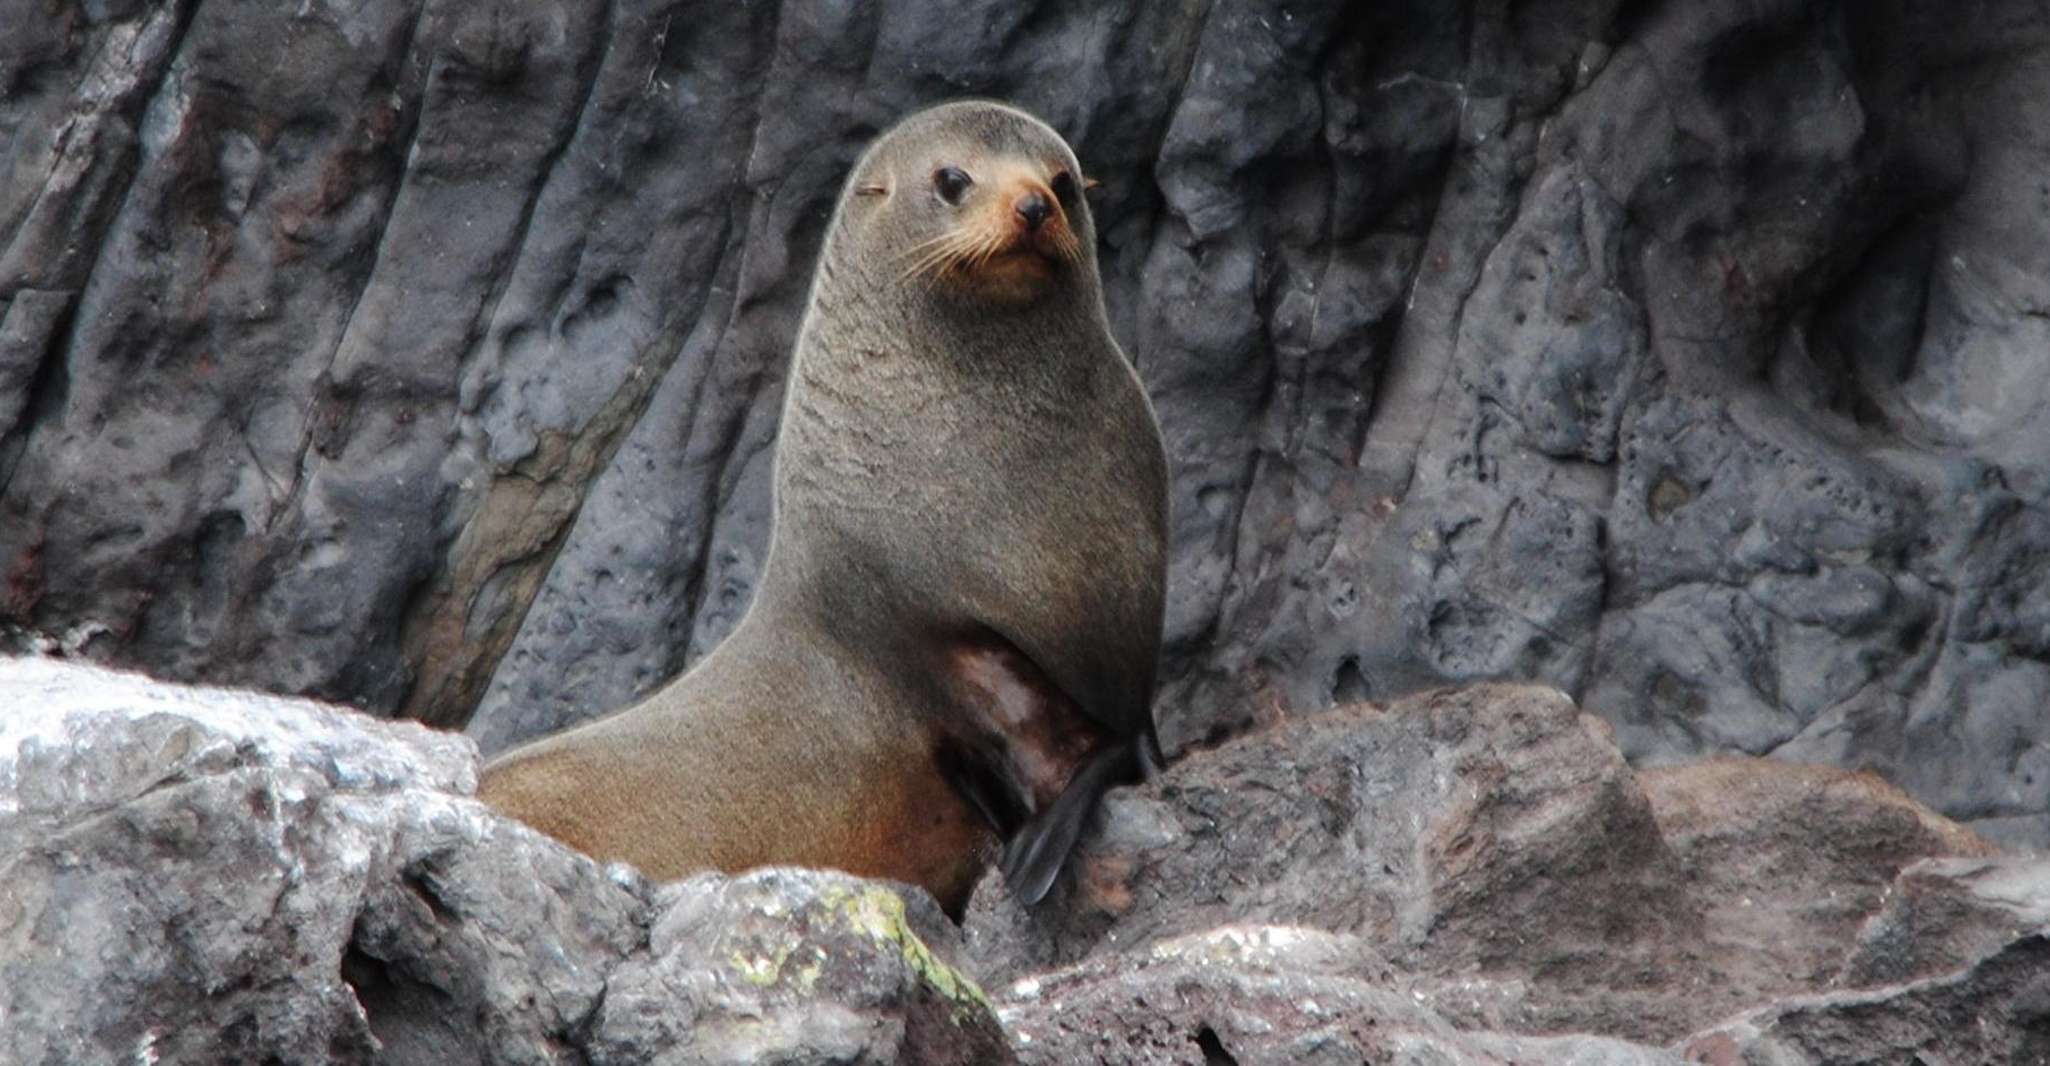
[[1508, 868], [203, 875]]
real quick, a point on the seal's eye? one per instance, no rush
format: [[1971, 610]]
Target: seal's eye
[[950, 183], [1064, 188]]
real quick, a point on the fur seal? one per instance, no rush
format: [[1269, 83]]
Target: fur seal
[[953, 640]]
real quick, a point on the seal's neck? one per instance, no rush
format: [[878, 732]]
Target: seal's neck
[[880, 360], [904, 409]]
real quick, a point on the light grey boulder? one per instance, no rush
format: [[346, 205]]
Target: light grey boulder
[[199, 875]]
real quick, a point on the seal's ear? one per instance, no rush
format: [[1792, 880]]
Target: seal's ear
[[871, 189]]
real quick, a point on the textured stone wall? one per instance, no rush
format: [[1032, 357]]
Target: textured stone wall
[[1685, 355]]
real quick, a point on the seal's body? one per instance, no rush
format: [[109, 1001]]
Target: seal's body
[[954, 637]]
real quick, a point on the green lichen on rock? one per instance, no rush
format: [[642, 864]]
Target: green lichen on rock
[[761, 969], [878, 914], [875, 914]]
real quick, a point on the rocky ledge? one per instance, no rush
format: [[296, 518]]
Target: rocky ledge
[[1475, 875]]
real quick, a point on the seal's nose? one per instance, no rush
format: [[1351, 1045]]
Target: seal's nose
[[1033, 208]]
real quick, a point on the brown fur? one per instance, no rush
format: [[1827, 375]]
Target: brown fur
[[963, 591]]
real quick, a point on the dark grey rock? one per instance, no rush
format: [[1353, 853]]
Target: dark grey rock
[[1683, 355], [1991, 1012], [26, 334]]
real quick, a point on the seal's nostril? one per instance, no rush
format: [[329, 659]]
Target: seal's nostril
[[1033, 208]]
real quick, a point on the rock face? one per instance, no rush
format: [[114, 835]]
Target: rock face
[[196, 875], [1683, 355], [204, 876]]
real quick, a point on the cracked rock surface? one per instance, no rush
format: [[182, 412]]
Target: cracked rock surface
[[1684, 355], [1469, 876]]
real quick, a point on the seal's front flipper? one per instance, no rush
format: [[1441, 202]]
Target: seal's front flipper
[[1034, 857]]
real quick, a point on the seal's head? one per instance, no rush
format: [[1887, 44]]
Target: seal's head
[[979, 201]]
